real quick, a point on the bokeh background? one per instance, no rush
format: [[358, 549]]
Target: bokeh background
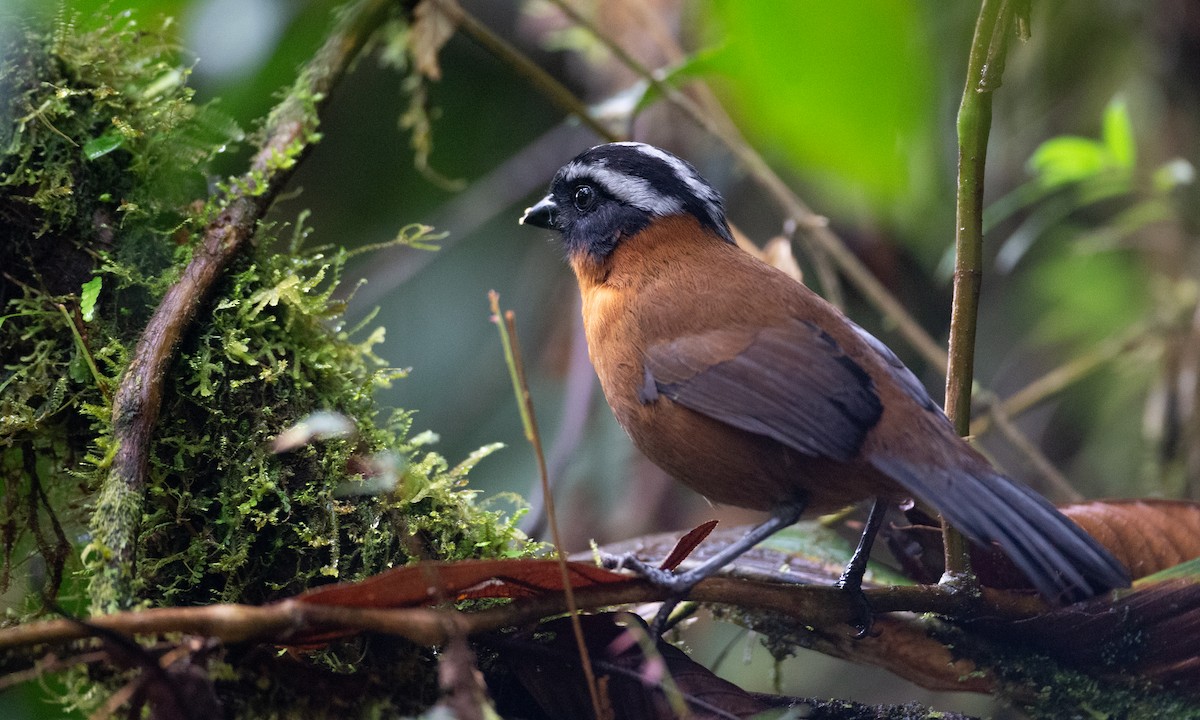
[[1091, 259]]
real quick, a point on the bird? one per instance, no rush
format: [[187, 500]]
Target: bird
[[751, 389]]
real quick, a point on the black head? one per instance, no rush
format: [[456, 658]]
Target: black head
[[612, 191]]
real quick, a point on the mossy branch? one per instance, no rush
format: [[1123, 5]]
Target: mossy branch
[[289, 132]]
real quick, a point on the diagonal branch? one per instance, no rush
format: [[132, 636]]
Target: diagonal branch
[[290, 131]]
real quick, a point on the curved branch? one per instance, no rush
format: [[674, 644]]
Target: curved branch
[[290, 131]]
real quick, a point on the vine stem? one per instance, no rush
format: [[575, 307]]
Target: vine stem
[[985, 65]]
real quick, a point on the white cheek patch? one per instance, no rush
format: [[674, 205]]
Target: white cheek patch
[[628, 189]]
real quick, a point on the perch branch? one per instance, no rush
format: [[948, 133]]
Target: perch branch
[[820, 606], [290, 131]]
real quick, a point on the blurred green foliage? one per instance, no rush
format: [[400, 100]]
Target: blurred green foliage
[[844, 91]]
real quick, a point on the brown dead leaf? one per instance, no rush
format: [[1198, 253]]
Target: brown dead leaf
[[778, 254], [434, 22], [687, 544], [1146, 535], [427, 583]]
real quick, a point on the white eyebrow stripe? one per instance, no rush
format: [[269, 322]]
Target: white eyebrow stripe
[[685, 174], [629, 189]]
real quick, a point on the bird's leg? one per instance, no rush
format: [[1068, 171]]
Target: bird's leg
[[852, 576], [679, 584]]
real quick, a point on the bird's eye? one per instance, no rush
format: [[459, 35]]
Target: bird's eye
[[585, 198]]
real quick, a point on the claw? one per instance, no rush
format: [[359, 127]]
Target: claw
[[851, 580], [863, 617]]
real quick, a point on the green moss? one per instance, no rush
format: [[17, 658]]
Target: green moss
[[1047, 689], [103, 184], [100, 152], [234, 521], [1025, 677]]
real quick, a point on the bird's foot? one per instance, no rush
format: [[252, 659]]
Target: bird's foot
[[677, 585], [862, 617]]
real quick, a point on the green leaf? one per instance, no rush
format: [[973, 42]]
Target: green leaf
[[77, 368], [1186, 570], [1072, 159], [1118, 134], [473, 459], [815, 543], [89, 296], [1116, 300], [1068, 159], [103, 145]]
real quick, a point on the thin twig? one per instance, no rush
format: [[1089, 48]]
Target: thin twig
[[999, 414], [1040, 462], [101, 383], [290, 131], [578, 395], [558, 93], [1062, 377], [516, 368]]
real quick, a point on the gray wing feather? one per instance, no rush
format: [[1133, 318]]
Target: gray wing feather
[[791, 382]]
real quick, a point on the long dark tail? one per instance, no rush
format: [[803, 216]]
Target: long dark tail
[[1062, 561]]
